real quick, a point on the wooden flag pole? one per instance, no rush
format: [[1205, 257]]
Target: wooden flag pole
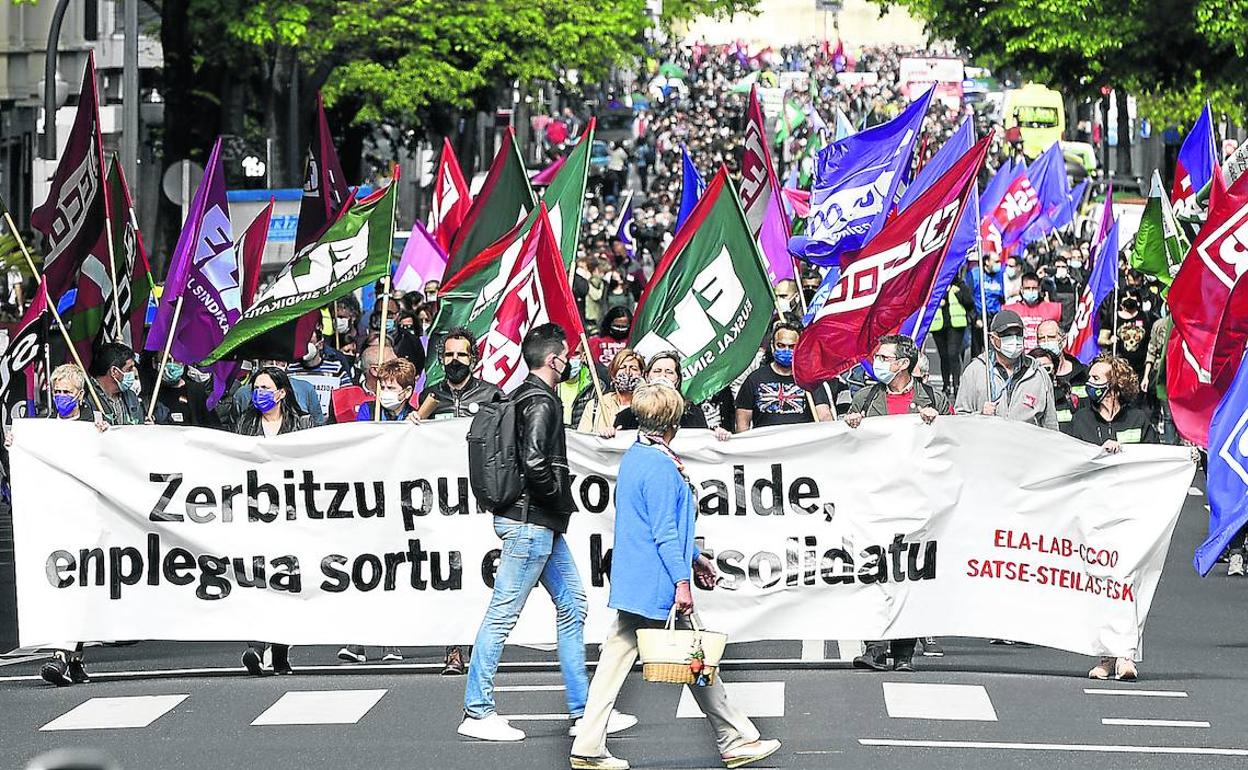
[[593, 370], [381, 353], [73, 351], [983, 315], [164, 356]]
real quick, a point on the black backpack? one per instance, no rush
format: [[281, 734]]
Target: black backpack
[[494, 471]]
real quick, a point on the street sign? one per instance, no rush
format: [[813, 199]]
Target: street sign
[[828, 6], [180, 181]]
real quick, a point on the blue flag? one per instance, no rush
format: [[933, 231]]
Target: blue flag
[[994, 191], [691, 187], [856, 182], [820, 298], [1198, 157], [1048, 178], [1227, 483], [1086, 327], [963, 240], [1076, 197]]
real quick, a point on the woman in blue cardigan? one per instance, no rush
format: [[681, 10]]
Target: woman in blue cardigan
[[653, 564]]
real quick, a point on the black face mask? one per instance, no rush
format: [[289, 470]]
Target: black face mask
[[566, 374], [457, 371], [616, 333]]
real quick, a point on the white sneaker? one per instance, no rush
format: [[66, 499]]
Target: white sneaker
[[1236, 564], [618, 722], [750, 753], [392, 655], [491, 728], [347, 655]]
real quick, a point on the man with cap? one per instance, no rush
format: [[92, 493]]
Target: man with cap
[[1002, 381]]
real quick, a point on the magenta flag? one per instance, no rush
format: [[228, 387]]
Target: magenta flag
[[204, 275], [760, 196], [544, 177], [423, 260]]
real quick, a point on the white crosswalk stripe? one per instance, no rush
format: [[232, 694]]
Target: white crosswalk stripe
[[320, 707], [756, 699], [961, 702], [115, 713]]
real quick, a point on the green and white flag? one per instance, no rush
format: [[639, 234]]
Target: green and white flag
[[710, 299], [470, 297], [353, 252], [1160, 244]]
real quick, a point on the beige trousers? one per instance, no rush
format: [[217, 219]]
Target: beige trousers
[[732, 727]]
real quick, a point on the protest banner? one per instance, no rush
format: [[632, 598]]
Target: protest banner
[[367, 533]]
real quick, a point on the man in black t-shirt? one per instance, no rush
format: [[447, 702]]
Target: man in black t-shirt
[[770, 396]]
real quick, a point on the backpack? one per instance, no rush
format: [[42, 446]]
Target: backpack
[[494, 471]]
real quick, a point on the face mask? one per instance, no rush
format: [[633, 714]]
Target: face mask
[[311, 354], [1076, 263], [617, 333], [1096, 392], [431, 296], [574, 368], [341, 325], [566, 374], [390, 400], [128, 380], [1062, 273], [993, 269], [1053, 347], [1011, 347], [882, 371], [1031, 296], [783, 357], [65, 404], [263, 400], [173, 372], [457, 371], [1011, 271], [625, 382]]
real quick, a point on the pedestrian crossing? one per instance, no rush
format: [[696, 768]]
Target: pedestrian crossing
[[115, 713]]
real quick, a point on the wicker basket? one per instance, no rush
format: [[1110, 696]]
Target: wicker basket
[[667, 652]]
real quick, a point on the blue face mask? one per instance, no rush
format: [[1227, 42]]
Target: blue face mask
[[389, 326], [783, 357], [1031, 296], [65, 403], [174, 371], [263, 400]]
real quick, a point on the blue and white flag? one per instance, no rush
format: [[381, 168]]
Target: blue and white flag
[[624, 232], [1197, 160], [1227, 484], [1085, 328], [1048, 178], [820, 297], [856, 182], [691, 187], [1077, 195], [994, 191], [844, 128]]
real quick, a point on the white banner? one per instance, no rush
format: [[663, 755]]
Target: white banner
[[368, 533]]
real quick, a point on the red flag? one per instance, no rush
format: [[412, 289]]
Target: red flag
[[74, 215], [891, 278], [24, 354], [451, 198], [250, 249], [1191, 396], [537, 292], [1212, 318], [1004, 225], [324, 186]]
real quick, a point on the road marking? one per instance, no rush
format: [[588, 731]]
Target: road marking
[[320, 707], [812, 649], [1073, 747], [531, 688], [26, 659], [1141, 693], [115, 713], [962, 702], [755, 699], [848, 649], [537, 717], [1194, 492], [1153, 723]]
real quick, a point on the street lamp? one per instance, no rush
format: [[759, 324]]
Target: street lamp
[[49, 81]]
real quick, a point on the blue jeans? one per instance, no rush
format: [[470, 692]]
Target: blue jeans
[[531, 553]]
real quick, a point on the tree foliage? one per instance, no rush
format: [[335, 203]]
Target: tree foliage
[[1164, 50]]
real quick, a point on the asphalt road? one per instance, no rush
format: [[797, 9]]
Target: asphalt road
[[979, 706]]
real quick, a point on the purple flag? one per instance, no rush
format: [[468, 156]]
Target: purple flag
[[544, 177], [204, 275], [423, 260], [1198, 159], [760, 196], [773, 239], [1081, 340], [1048, 176], [994, 191]]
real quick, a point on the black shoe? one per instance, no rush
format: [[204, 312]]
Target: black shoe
[[57, 673], [932, 648], [78, 672], [871, 662], [904, 665], [252, 662], [280, 655], [454, 665]]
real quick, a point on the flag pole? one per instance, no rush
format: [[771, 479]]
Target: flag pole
[[69, 343], [593, 370], [381, 353], [164, 356], [983, 314]]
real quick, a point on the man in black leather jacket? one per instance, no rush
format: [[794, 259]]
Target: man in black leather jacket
[[533, 545], [459, 393]]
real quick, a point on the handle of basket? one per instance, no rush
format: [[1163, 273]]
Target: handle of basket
[[694, 620]]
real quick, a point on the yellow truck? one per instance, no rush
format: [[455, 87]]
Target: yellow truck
[[1040, 115]]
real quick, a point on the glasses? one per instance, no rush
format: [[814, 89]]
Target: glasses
[[883, 359]]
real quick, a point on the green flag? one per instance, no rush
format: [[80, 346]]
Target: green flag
[[806, 172], [353, 252], [471, 295], [710, 299], [505, 199], [791, 116], [1159, 243]]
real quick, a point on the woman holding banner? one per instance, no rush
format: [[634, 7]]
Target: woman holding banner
[[273, 412]]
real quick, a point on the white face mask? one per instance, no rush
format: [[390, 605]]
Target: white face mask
[[311, 353], [1011, 347], [389, 399], [341, 325]]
